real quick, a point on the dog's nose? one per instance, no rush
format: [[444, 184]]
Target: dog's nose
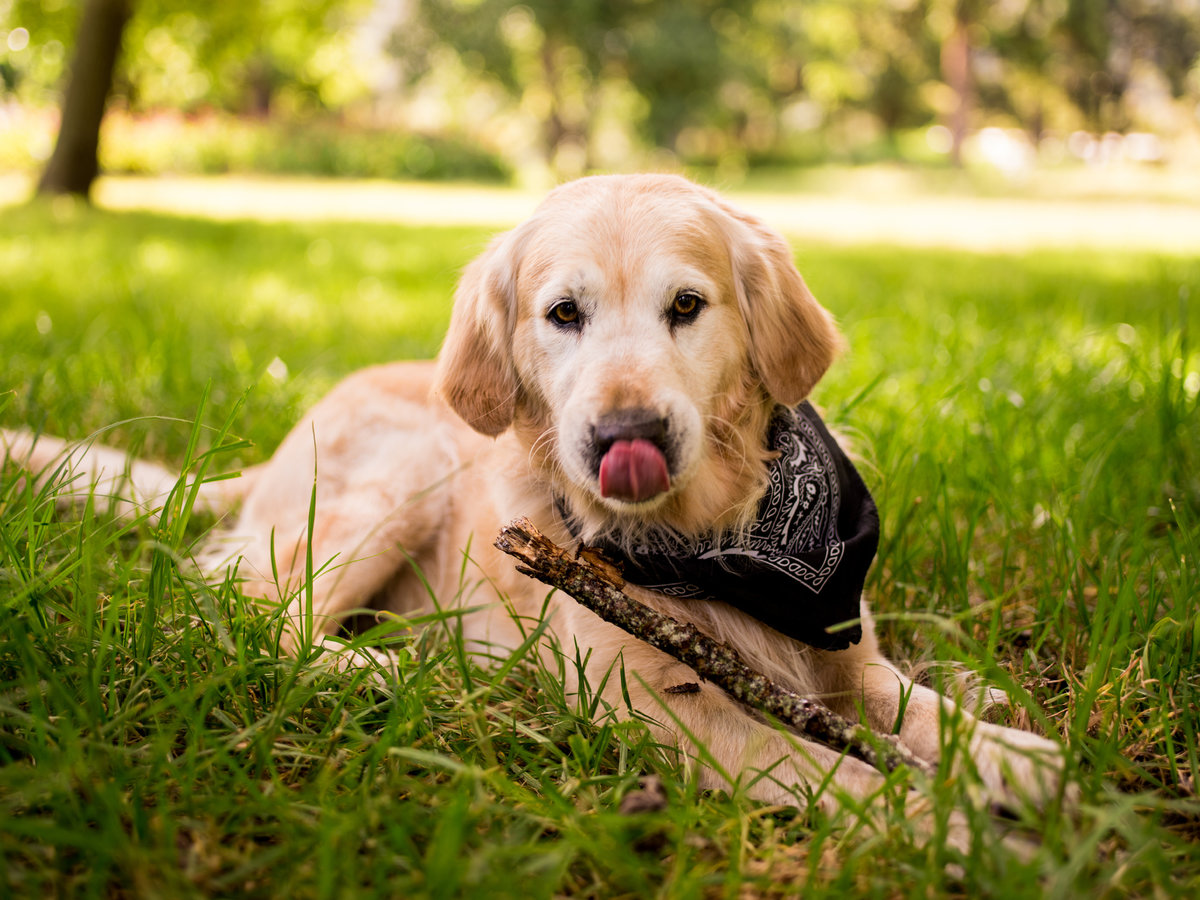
[[629, 425], [630, 455]]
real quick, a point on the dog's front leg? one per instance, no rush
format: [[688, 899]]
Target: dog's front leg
[[732, 748], [1012, 764]]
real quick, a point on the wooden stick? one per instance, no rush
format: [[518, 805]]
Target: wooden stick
[[596, 586]]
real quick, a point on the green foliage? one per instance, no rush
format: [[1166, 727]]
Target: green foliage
[[586, 84], [219, 145], [170, 144], [567, 57], [771, 78], [1029, 426], [237, 55]]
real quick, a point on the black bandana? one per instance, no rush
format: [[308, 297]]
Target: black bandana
[[801, 566]]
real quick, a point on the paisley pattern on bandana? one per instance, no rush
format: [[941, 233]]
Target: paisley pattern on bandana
[[800, 568], [799, 511]]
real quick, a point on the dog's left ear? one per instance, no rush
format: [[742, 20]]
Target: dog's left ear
[[475, 372], [793, 338]]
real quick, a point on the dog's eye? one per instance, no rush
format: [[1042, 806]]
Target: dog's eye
[[565, 313], [686, 307]]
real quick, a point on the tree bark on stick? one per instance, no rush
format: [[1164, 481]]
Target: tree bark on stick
[[74, 165], [595, 587]]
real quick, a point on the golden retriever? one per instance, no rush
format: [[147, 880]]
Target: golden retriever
[[614, 370]]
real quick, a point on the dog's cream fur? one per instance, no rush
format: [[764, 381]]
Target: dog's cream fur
[[416, 462]]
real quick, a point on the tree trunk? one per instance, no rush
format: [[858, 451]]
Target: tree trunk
[[260, 84], [956, 69], [74, 165], [554, 129]]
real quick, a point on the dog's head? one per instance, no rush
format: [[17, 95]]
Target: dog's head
[[635, 333]]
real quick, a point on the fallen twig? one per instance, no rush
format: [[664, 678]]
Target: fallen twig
[[596, 587]]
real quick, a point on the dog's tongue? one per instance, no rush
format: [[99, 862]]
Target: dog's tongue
[[634, 471]]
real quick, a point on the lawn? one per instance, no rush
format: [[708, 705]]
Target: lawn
[[1028, 424]]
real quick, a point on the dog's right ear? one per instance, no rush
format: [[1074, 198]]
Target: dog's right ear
[[475, 372], [793, 339]]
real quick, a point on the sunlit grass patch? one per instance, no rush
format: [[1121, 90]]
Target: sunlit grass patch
[[112, 313]]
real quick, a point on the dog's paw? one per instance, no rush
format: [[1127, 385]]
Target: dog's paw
[[1016, 766]]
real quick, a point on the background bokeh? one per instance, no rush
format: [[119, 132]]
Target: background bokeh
[[539, 91]]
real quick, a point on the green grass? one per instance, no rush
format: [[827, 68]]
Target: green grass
[[1029, 426]]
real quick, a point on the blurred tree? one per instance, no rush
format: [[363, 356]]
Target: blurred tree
[[1110, 42], [956, 69], [1072, 65], [556, 56], [679, 57], [245, 57], [875, 56], [600, 82], [235, 55], [73, 167]]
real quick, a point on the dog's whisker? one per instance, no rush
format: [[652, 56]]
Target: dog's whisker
[[548, 436]]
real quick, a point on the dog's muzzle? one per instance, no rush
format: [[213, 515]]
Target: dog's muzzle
[[630, 455]]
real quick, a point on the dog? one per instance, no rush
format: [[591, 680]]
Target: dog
[[629, 369]]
